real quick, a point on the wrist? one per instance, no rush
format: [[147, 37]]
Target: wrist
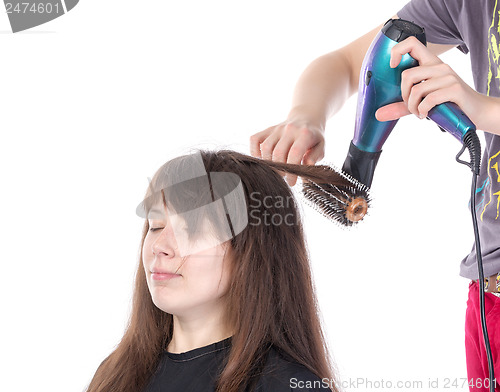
[[487, 117], [307, 115]]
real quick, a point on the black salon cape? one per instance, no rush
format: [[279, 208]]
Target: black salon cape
[[196, 371]]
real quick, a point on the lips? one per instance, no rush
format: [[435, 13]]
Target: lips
[[165, 276], [158, 271]]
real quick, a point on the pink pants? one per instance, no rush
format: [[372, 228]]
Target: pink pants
[[477, 363]]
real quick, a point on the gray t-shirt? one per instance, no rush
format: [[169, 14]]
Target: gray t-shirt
[[474, 26]]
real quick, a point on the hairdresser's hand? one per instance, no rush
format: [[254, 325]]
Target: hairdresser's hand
[[292, 141], [439, 84]]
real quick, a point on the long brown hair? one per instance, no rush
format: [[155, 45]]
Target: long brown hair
[[271, 299]]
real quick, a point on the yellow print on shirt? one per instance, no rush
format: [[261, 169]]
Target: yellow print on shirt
[[494, 176], [494, 80], [494, 48]]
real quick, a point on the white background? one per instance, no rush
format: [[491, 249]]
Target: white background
[[92, 103]]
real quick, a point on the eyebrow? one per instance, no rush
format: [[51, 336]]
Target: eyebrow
[[155, 210]]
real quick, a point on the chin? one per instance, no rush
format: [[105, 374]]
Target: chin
[[167, 306]]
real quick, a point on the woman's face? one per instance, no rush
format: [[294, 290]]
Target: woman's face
[[199, 279]]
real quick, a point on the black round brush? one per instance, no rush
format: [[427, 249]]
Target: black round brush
[[333, 192], [337, 195]]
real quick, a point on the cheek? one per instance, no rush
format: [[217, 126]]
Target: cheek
[[208, 278], [146, 247], [147, 253], [225, 278]]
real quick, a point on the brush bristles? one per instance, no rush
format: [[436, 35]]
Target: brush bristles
[[331, 200]]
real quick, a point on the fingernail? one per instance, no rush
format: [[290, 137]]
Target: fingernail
[[421, 116]]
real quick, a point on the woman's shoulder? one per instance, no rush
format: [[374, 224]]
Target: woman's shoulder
[[283, 375]]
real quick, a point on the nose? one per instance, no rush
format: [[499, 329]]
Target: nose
[[165, 243]]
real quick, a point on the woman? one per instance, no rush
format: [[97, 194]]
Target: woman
[[223, 297]]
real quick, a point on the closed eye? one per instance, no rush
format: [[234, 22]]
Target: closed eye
[[155, 228]]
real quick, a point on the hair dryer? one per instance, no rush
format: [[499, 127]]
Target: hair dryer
[[380, 85]]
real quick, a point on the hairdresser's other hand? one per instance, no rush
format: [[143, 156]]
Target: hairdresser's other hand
[[292, 141], [440, 84]]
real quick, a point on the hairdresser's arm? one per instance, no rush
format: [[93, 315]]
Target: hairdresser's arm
[[320, 92]]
